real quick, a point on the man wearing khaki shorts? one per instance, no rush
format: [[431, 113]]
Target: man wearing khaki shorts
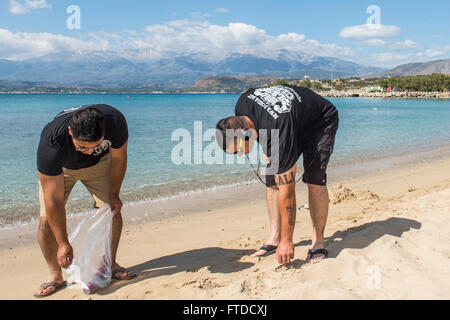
[[87, 144]]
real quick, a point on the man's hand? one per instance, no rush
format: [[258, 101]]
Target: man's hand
[[64, 255], [285, 251], [115, 203]]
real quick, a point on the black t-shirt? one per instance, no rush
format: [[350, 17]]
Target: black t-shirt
[[56, 149], [294, 111]]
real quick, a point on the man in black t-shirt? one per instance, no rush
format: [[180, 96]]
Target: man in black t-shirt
[[89, 144], [286, 121]]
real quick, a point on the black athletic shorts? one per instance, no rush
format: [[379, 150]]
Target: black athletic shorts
[[317, 151], [317, 148]]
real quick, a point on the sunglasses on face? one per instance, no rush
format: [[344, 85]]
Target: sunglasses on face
[[84, 149]]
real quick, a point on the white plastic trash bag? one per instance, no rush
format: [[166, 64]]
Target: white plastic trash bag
[[91, 242]]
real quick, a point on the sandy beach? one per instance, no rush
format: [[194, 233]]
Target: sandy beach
[[387, 234]]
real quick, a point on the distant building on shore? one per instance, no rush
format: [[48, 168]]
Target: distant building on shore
[[373, 89]]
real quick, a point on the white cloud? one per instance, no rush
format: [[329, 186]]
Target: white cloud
[[234, 35], [365, 31], [37, 4], [171, 38], [199, 15], [23, 45], [404, 45], [179, 37], [17, 7], [222, 10], [431, 53], [194, 36], [393, 59], [388, 59], [376, 42]]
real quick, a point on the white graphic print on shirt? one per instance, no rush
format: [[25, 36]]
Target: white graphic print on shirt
[[102, 147], [277, 99]]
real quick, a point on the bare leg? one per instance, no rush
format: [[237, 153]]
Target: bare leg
[[116, 232], [99, 185], [274, 219], [118, 271], [318, 206], [274, 215], [49, 249]]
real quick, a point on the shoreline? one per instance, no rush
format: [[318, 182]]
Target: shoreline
[[349, 93], [204, 255], [361, 93], [353, 167], [219, 196]]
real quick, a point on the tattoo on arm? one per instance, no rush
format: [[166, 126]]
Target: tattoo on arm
[[291, 212]]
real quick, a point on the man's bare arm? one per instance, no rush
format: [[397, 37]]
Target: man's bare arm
[[53, 187], [287, 205]]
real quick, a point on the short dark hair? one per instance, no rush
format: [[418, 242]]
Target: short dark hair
[[88, 124], [230, 123]]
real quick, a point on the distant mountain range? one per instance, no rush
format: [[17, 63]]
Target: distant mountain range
[[25, 84], [229, 83], [420, 68], [133, 68], [140, 68]]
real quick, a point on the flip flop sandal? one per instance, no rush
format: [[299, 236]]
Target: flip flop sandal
[[45, 285], [123, 270], [268, 248], [316, 252], [304, 207]]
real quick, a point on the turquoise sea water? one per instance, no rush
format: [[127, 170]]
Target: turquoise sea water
[[369, 128]]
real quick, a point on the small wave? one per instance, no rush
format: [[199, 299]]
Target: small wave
[[190, 192], [21, 223], [17, 224]]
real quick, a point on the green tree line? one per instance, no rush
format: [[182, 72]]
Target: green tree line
[[434, 82]]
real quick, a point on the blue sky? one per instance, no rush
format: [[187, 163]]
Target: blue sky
[[408, 31]]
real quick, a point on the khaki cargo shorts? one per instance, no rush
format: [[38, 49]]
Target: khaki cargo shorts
[[95, 178]]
